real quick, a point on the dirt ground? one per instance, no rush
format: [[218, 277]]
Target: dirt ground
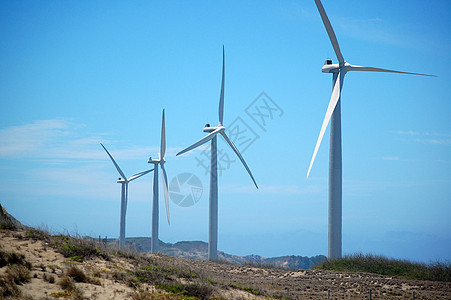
[[269, 282], [318, 284]]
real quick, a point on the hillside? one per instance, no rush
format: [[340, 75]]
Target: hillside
[[37, 265], [198, 250]]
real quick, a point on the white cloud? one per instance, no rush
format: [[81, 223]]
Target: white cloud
[[434, 141], [58, 141], [26, 139], [430, 138]]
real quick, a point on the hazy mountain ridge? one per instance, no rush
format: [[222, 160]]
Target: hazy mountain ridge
[[198, 250]]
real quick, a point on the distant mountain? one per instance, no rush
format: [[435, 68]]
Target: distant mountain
[[198, 250]]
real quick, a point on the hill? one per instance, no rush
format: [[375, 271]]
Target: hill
[[36, 265], [198, 250]]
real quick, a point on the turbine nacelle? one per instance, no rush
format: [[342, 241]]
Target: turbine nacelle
[[209, 128], [329, 67], [156, 161], [120, 180]]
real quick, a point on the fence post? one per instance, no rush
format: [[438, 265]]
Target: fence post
[[413, 295], [328, 294], [370, 294]]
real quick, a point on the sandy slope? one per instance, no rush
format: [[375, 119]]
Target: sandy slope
[[47, 263], [106, 282]]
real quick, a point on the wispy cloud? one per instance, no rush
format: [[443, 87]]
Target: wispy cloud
[[390, 158], [431, 138], [58, 141]]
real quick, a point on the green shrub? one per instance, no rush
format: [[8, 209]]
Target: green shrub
[[390, 267], [245, 288], [77, 249], [199, 291], [38, 234]]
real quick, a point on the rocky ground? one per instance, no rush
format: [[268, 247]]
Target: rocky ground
[[135, 276]]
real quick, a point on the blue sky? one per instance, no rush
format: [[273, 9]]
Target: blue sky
[[75, 74]]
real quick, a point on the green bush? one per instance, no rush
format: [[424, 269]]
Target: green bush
[[77, 249], [198, 291], [245, 288], [390, 267]]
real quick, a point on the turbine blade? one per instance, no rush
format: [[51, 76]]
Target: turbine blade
[[239, 156], [330, 109], [371, 69], [330, 31], [201, 141], [115, 164], [165, 188], [136, 176], [163, 139], [221, 97]]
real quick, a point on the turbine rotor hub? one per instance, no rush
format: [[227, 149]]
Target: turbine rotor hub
[[153, 161]]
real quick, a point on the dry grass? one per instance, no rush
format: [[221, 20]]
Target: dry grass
[[137, 275], [17, 273], [378, 264]]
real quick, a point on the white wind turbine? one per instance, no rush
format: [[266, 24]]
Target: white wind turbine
[[213, 205], [124, 195], [154, 244], [333, 115]]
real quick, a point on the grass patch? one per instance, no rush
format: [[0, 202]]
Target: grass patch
[[187, 291], [145, 295], [154, 274], [390, 267], [245, 288], [38, 234], [78, 249], [63, 294], [8, 258]]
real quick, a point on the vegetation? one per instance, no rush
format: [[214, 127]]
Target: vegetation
[[390, 267], [17, 272], [245, 288], [187, 291], [173, 278]]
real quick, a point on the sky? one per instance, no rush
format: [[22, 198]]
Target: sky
[[74, 74]]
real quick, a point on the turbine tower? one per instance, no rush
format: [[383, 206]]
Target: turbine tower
[[213, 199], [333, 114], [124, 195], [154, 246]]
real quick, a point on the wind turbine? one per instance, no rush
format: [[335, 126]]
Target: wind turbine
[[124, 195], [333, 114], [154, 244], [212, 135]]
